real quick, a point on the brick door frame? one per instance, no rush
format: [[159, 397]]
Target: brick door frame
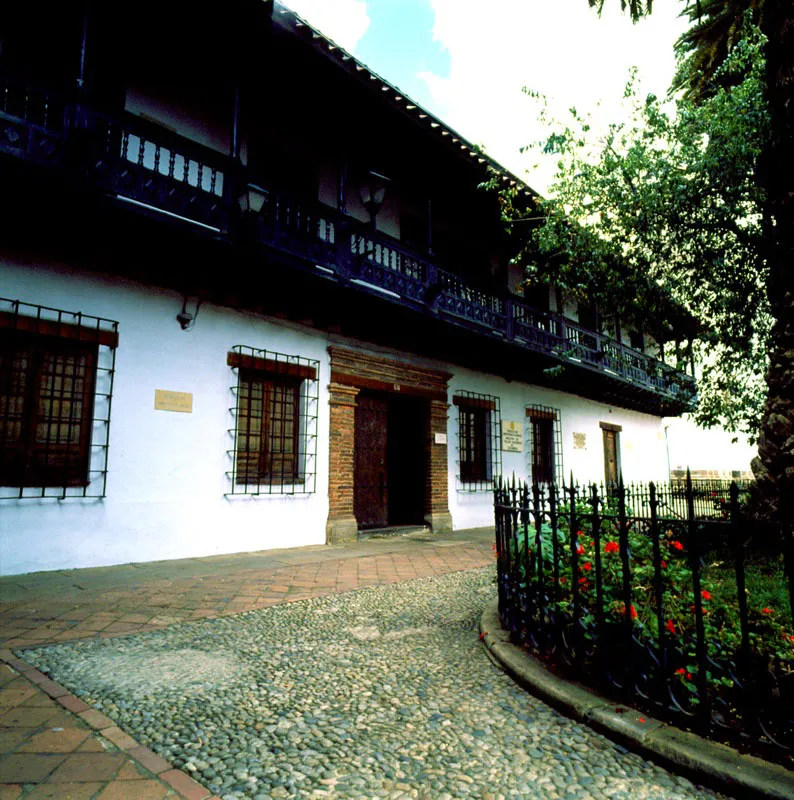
[[352, 371]]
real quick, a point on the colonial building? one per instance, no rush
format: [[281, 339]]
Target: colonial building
[[253, 298]]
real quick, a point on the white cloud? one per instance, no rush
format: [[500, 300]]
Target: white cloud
[[560, 48], [344, 21]]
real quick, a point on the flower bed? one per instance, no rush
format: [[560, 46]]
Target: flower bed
[[603, 586]]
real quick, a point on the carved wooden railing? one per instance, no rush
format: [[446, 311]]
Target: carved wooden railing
[[147, 164], [381, 264], [352, 251], [32, 121]]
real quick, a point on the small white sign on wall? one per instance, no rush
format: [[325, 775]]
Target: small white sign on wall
[[512, 436], [440, 438], [580, 441]]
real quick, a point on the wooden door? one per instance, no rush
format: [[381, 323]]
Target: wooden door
[[611, 456], [371, 481]]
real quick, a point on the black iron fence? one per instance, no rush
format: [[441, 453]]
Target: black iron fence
[[710, 498], [660, 609]]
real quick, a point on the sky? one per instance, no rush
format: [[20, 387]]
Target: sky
[[467, 61]]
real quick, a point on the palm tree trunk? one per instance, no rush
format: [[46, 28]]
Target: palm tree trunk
[[774, 466]]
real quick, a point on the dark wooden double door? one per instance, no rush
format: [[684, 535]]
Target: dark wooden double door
[[390, 463]]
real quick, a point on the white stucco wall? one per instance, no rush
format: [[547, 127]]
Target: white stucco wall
[[642, 444], [203, 125], [713, 451], [167, 479], [166, 471]]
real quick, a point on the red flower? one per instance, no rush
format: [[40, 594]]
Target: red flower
[[664, 564], [563, 580], [587, 566], [579, 550], [580, 533], [767, 611], [677, 545], [682, 671], [611, 547], [706, 595], [670, 626], [583, 582], [633, 612]]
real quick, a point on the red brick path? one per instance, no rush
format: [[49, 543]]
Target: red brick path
[[53, 746]]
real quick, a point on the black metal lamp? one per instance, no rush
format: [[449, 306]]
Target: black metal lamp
[[373, 192], [252, 199], [185, 318]]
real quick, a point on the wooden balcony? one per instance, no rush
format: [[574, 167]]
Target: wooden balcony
[[349, 252], [147, 168], [144, 164], [32, 122]]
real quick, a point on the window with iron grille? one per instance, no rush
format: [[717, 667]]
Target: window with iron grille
[[275, 431], [479, 440], [545, 445], [56, 382]]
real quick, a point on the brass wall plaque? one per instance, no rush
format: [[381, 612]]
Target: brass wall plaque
[[512, 436], [580, 441], [165, 400]]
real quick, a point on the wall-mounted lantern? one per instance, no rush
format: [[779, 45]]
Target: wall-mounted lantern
[[185, 318], [373, 192], [252, 199]]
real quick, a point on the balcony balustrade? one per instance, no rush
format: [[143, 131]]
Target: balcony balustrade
[[31, 122], [137, 161], [143, 163]]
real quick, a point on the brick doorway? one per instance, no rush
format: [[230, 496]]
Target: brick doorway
[[390, 460], [388, 451]]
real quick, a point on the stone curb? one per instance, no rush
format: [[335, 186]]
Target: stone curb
[[185, 786], [707, 762]]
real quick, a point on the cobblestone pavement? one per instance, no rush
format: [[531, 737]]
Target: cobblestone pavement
[[383, 692]]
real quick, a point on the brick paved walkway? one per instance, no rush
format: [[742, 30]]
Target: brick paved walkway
[[52, 745]]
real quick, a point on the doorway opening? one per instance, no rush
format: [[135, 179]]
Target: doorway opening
[[390, 460]]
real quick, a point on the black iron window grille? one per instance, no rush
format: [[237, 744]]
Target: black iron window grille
[[56, 388], [479, 440], [275, 430], [544, 432]]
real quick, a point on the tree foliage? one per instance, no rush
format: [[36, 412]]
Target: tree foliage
[[636, 8], [660, 220], [716, 25]]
